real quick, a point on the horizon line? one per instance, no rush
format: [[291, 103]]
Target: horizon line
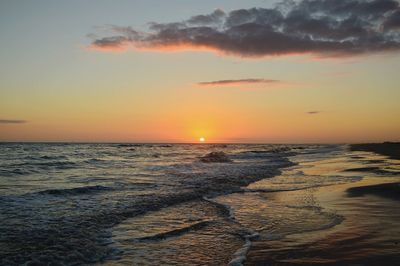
[[197, 143]]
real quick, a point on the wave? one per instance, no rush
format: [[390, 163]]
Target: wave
[[373, 169], [215, 157], [74, 191], [56, 163], [95, 161], [261, 154], [32, 167], [257, 151], [226, 210], [175, 232], [85, 222], [53, 157], [248, 235], [241, 254], [276, 150], [165, 146], [129, 145], [15, 172], [53, 164]]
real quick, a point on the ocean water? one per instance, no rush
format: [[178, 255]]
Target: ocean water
[[160, 204]]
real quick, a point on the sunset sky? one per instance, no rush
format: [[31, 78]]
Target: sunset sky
[[175, 71]]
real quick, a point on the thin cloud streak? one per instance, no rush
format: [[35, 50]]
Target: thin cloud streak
[[237, 82], [12, 121], [313, 112], [326, 28]]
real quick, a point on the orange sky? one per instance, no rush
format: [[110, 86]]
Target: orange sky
[[65, 91]]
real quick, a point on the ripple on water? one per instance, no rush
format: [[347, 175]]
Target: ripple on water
[[193, 233]]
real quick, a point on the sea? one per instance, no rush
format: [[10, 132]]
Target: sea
[[166, 204]]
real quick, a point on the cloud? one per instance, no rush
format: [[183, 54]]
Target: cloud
[[235, 82], [214, 18], [319, 27], [393, 21], [12, 121], [313, 112]]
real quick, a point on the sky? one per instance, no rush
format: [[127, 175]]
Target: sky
[[317, 71]]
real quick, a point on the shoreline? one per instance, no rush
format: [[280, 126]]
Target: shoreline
[[367, 236]]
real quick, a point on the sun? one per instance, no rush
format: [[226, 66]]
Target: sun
[[202, 139]]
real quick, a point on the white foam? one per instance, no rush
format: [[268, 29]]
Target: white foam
[[229, 208], [240, 254]]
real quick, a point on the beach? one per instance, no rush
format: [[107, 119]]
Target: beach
[[188, 204], [367, 235], [351, 223], [200, 133]]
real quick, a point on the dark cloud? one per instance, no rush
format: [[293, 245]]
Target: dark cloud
[[313, 112], [229, 82], [364, 8], [393, 21], [212, 19], [320, 27], [12, 121]]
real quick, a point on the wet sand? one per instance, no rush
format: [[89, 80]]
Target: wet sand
[[368, 235], [389, 190], [369, 232]]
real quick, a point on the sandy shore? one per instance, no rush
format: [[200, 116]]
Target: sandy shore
[[389, 190], [368, 235]]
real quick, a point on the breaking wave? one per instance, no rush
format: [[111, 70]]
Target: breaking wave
[[63, 207], [75, 191]]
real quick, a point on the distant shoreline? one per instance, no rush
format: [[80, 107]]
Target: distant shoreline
[[391, 149]]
